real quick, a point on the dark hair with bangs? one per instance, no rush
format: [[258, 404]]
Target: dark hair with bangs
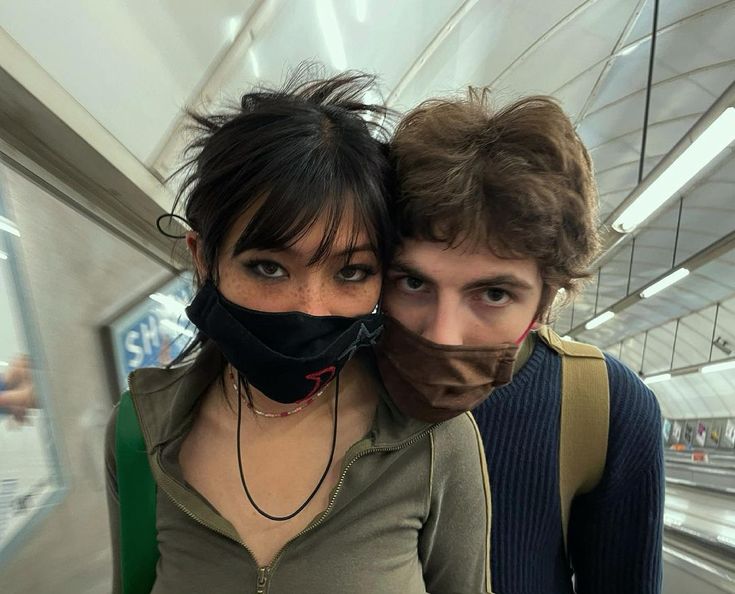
[[311, 149], [308, 150], [517, 180]]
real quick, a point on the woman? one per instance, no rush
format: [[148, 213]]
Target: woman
[[280, 463]]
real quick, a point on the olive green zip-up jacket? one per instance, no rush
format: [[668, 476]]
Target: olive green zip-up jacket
[[410, 513]]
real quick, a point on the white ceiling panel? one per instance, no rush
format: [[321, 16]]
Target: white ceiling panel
[[617, 119], [708, 213], [630, 352], [378, 37], [624, 149], [714, 78], [131, 64], [491, 36], [694, 338], [698, 42], [693, 44], [543, 70], [670, 13], [698, 395], [574, 94], [659, 348]]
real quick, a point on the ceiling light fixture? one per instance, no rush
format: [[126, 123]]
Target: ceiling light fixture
[[9, 226], [709, 144], [713, 367], [654, 379], [664, 283], [599, 320]]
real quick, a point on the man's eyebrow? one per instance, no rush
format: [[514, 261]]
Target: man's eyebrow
[[401, 266], [499, 280]]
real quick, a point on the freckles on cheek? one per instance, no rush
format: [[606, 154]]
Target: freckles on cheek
[[363, 297], [236, 287]]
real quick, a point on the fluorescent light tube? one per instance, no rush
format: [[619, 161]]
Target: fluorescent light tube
[[654, 379], [712, 367], [665, 282], [695, 157], [600, 320], [9, 226], [3, 255]]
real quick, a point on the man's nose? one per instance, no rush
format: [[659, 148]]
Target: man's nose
[[444, 326]]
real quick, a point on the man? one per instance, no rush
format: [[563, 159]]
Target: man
[[498, 212]]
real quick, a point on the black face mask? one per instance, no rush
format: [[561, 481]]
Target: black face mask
[[287, 356]]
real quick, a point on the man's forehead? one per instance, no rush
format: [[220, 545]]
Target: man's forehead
[[461, 265], [419, 249]]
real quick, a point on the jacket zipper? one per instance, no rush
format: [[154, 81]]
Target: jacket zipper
[[265, 572], [341, 481], [262, 580]]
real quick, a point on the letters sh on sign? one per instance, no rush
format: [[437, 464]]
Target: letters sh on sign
[[153, 331]]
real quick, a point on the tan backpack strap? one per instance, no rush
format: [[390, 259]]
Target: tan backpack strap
[[585, 418]]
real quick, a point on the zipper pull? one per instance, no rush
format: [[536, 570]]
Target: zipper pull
[[262, 580]]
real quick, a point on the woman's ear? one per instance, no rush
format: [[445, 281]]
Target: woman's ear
[[194, 243]]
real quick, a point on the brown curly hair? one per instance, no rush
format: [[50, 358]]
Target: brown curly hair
[[518, 180]]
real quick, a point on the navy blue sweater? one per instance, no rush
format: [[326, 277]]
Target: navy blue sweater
[[615, 531]]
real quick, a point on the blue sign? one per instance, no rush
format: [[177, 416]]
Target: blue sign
[[154, 331]]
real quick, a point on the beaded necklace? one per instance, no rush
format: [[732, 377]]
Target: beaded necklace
[[272, 415]]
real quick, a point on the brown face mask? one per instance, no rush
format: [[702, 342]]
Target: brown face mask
[[434, 382]]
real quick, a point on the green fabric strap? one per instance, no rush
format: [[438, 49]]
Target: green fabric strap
[[137, 493]]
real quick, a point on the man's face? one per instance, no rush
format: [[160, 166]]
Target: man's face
[[462, 296]]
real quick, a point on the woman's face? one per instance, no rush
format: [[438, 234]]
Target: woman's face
[[345, 283]]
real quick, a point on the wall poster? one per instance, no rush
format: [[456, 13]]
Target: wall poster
[[31, 479]]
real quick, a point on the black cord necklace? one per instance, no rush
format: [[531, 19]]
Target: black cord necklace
[[239, 455]]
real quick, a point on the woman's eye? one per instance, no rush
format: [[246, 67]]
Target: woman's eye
[[495, 296], [354, 274], [410, 284], [267, 269]]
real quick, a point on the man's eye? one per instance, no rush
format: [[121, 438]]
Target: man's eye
[[496, 296], [411, 283], [266, 268]]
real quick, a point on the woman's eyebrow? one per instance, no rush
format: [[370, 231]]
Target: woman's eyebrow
[[402, 266], [293, 251]]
